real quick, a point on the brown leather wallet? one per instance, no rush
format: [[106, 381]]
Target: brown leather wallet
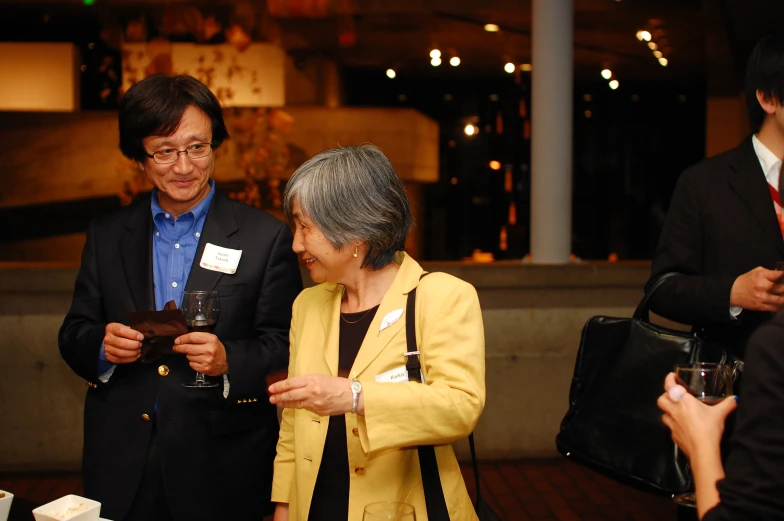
[[159, 328]]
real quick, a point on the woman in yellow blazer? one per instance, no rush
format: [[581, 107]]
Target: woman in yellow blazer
[[352, 421]]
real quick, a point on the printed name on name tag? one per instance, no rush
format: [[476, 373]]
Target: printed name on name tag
[[218, 258]]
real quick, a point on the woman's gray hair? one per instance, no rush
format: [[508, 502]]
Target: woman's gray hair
[[352, 193]]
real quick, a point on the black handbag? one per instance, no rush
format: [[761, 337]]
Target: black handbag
[[613, 424], [431, 480]]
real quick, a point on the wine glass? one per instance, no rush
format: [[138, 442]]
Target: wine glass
[[201, 310], [710, 384], [389, 511]]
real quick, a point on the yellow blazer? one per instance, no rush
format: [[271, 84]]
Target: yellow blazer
[[383, 460]]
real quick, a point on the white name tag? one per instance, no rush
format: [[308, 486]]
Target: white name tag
[[218, 258], [398, 374]]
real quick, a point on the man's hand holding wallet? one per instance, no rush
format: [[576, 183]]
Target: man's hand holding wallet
[[152, 332]]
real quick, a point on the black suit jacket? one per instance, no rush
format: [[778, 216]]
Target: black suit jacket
[[216, 453], [721, 223]]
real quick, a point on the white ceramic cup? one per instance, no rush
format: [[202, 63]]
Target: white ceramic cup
[[5, 504]]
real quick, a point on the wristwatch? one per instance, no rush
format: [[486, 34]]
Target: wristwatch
[[356, 388]]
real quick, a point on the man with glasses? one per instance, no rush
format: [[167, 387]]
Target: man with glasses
[[153, 448]]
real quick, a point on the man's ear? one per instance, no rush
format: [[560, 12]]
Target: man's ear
[[769, 105], [140, 164]]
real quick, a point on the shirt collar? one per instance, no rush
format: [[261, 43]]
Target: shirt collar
[[198, 211], [771, 165]]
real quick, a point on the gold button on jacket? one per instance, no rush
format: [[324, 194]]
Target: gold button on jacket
[[163, 370]]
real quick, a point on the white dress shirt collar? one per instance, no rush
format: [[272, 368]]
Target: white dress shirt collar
[[770, 163]]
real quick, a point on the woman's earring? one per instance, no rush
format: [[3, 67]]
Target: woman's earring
[[356, 251]]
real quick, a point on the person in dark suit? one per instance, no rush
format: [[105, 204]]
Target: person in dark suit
[[154, 449], [723, 229]]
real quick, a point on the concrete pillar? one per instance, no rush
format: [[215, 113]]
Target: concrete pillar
[[332, 90], [551, 130]]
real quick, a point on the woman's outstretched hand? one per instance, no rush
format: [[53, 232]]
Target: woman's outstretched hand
[[319, 393]]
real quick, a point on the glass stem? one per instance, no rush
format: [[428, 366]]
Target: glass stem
[[200, 377]]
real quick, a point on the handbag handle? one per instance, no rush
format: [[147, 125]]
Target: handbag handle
[[642, 312]]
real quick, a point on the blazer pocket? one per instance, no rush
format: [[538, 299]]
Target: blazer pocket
[[232, 290], [233, 421]]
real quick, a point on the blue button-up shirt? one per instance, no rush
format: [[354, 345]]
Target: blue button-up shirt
[[173, 249]]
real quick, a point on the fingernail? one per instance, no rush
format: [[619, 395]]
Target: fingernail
[[676, 393]]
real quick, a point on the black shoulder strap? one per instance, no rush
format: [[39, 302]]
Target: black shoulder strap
[[431, 480], [413, 366], [428, 465]]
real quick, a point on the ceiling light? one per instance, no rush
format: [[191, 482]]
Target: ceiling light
[[663, 62], [492, 28], [470, 130], [606, 74], [652, 46], [614, 84], [509, 67], [435, 53], [658, 54], [454, 61], [645, 35], [435, 62], [391, 73], [526, 67], [495, 165]]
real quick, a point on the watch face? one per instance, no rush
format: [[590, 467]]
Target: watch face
[[356, 387]]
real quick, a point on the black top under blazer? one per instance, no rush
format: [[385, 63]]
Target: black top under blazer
[[216, 453], [721, 223]]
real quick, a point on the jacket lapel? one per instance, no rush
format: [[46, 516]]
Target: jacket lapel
[[219, 226], [748, 181], [376, 340], [136, 248], [330, 319]]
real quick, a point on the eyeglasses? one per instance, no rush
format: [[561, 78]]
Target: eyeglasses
[[170, 155]]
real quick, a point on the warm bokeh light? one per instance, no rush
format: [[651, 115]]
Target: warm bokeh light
[[606, 74], [495, 165], [435, 53], [614, 84], [644, 35], [492, 28], [470, 130], [658, 54], [652, 46], [526, 67], [663, 62], [454, 61], [391, 73], [435, 62], [509, 67]]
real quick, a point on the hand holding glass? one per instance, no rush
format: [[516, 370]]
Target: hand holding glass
[[710, 384], [201, 310]]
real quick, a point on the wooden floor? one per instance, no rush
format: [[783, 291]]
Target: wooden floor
[[518, 490]]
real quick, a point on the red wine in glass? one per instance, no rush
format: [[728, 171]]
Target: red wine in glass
[[201, 310], [200, 326]]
